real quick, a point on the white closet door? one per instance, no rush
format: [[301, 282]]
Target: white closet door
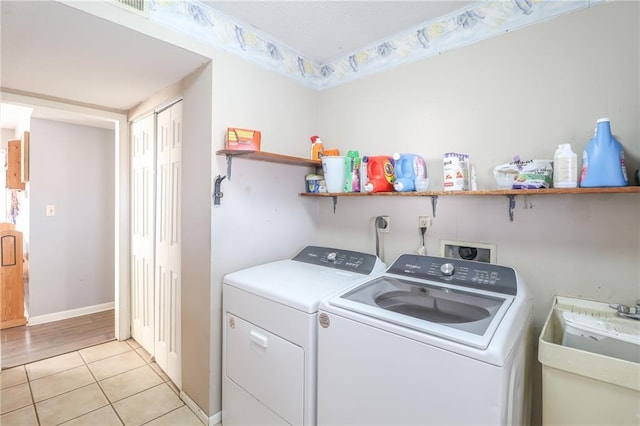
[[142, 232], [168, 236]]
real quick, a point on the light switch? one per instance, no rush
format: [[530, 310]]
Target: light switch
[[51, 210]]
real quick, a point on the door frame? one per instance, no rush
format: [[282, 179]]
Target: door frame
[[122, 299]]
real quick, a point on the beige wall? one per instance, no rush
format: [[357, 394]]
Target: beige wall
[[520, 93], [261, 217]]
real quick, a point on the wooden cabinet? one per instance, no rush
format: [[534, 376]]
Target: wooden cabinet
[[14, 165], [11, 276]]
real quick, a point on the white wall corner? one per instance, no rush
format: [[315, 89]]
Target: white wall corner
[[207, 420]]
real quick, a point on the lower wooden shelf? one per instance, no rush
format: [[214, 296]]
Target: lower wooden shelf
[[509, 193], [544, 191]]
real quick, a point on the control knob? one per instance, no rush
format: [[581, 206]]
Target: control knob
[[447, 269], [331, 257]]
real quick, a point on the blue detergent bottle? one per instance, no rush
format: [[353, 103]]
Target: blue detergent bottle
[[603, 159], [408, 168]]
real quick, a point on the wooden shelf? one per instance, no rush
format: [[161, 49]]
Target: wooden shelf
[[509, 193], [544, 191], [271, 157]]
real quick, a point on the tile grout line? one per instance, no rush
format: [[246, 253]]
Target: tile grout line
[[109, 404], [33, 400], [95, 381], [85, 363]]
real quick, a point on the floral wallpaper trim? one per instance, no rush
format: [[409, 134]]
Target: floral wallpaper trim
[[469, 25]]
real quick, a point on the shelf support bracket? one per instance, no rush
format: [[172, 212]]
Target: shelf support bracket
[[335, 203], [434, 203], [229, 159], [512, 205]]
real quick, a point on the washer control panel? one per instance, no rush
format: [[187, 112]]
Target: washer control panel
[[486, 276], [345, 260]]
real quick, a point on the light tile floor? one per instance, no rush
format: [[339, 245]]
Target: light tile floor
[[116, 383]]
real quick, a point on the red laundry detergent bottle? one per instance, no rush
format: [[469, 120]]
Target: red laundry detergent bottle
[[379, 173]]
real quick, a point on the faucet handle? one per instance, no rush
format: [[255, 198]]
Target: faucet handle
[[624, 309]]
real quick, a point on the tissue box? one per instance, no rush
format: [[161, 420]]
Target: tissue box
[[242, 139]]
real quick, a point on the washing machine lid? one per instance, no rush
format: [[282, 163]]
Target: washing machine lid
[[450, 304], [311, 275]]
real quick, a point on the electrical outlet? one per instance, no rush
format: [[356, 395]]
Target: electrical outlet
[[383, 224], [424, 222]]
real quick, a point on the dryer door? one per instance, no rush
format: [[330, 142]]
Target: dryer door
[[267, 367]]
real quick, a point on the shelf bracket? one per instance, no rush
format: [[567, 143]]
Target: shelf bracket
[[512, 205], [434, 203], [335, 203], [217, 192], [229, 159]]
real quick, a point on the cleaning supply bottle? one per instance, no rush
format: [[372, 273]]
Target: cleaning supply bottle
[[565, 167], [317, 148], [364, 178], [352, 164], [407, 168], [379, 173], [603, 159]]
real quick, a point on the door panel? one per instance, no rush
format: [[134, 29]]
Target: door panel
[[142, 231], [168, 280]]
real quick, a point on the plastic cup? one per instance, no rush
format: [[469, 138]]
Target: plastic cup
[[422, 184], [335, 173], [503, 180]]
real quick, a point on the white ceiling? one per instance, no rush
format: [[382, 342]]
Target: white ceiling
[[54, 50]]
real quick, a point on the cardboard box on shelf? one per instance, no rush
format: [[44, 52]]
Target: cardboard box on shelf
[[242, 139]]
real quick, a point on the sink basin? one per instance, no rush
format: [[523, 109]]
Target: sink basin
[[609, 336], [429, 308]]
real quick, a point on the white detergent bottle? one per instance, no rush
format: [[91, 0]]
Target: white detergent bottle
[[565, 167]]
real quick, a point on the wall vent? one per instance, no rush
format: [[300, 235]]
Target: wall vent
[[141, 7]]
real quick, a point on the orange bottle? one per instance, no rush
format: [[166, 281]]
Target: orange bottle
[[317, 148]]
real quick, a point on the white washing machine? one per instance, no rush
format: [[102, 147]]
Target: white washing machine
[[431, 341], [270, 333]]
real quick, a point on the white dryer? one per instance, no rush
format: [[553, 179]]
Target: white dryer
[[431, 341], [270, 333]]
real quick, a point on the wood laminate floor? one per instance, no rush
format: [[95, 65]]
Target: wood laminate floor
[[26, 344]]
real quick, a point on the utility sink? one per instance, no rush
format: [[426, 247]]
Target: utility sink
[[590, 360]]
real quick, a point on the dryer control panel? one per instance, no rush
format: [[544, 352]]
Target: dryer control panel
[[466, 273], [345, 260]]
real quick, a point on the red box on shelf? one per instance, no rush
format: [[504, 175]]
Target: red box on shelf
[[242, 139]]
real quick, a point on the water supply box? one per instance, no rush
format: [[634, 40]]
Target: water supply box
[[242, 139]]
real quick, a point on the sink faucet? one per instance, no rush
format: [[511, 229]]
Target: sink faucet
[[627, 311]]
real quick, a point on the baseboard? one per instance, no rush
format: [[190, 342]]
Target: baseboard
[[57, 316], [209, 421]]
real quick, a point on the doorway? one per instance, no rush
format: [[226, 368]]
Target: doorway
[[66, 114]]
